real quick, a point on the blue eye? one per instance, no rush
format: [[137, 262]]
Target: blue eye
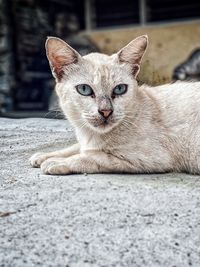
[[120, 89], [84, 89]]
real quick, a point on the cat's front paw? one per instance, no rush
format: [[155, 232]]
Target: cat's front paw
[[55, 166], [37, 159]]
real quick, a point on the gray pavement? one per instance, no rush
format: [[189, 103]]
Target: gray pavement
[[90, 220]]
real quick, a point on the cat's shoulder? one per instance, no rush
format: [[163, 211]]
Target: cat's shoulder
[[175, 91], [179, 85]]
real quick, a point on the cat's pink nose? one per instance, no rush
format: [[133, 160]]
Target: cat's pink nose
[[105, 112]]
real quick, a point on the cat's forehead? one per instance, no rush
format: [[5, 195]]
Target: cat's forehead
[[104, 68], [98, 58]]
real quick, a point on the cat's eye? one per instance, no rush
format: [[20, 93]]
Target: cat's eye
[[84, 89], [120, 89]]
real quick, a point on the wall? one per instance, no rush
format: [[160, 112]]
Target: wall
[[169, 45]]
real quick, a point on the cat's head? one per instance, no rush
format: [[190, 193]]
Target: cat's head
[[96, 91]]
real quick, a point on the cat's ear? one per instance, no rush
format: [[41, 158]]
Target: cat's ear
[[133, 53], [60, 56]]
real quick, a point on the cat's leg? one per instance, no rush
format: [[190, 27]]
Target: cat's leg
[[37, 159], [93, 162]]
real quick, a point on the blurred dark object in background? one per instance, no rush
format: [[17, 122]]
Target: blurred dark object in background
[[31, 23], [6, 59], [109, 13], [189, 70], [68, 28], [26, 83]]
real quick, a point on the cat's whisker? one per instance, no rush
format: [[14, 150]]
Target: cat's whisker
[[126, 125], [80, 119], [86, 115], [83, 125], [89, 114], [129, 123], [89, 118]]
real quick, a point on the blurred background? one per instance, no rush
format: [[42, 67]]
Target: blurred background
[[26, 83]]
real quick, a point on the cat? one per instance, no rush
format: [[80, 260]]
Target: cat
[[121, 127]]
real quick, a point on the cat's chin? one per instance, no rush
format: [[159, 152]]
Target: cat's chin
[[103, 127]]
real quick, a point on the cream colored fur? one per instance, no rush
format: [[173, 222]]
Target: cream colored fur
[[152, 129]]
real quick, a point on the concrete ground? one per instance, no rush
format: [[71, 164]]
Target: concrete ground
[[94, 220]]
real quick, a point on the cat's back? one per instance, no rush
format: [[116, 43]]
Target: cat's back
[[179, 105], [180, 89], [179, 97]]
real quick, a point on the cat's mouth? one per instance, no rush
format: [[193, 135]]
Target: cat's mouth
[[102, 124]]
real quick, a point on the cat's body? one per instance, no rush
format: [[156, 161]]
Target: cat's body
[[143, 130]]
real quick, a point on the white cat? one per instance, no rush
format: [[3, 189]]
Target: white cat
[[121, 127]]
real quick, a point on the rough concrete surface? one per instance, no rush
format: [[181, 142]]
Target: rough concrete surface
[[94, 220]]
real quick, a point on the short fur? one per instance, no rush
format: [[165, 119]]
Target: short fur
[[151, 129]]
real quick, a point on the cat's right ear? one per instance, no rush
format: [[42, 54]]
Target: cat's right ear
[[133, 53], [60, 56]]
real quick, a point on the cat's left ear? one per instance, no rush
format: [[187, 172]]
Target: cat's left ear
[[61, 56], [133, 53]]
